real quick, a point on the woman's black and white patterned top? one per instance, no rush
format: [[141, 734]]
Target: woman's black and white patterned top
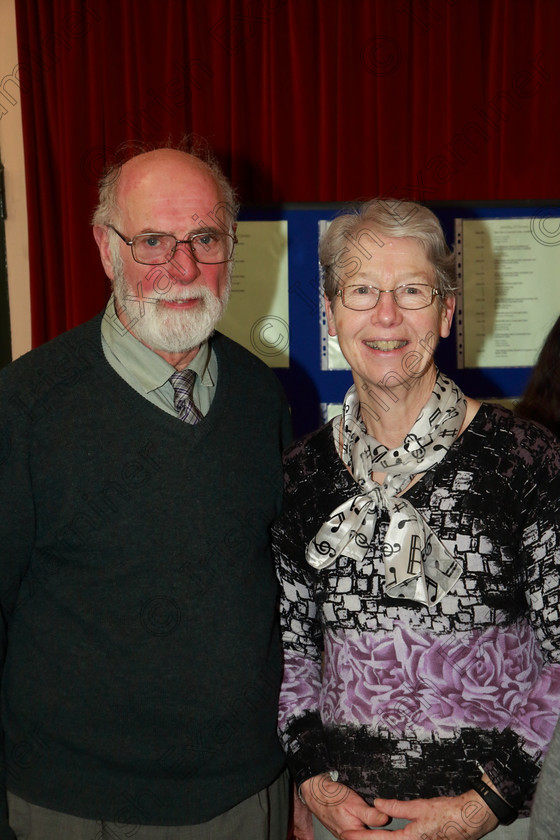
[[406, 700]]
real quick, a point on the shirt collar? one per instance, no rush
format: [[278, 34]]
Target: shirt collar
[[146, 366]]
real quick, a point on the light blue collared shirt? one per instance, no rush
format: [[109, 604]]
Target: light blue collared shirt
[[146, 371]]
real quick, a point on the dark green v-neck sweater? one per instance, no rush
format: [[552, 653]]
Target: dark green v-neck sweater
[[137, 590]]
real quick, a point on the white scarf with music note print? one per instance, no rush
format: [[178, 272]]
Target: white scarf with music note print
[[417, 565]]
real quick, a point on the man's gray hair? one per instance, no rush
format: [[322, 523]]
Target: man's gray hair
[[364, 228], [107, 210]]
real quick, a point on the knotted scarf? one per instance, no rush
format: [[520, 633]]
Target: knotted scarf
[[417, 565]]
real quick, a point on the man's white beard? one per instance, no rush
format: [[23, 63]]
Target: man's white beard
[[161, 327]]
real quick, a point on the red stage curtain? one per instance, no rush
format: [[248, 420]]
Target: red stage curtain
[[302, 101]]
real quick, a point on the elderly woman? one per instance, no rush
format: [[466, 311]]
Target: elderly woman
[[418, 554]]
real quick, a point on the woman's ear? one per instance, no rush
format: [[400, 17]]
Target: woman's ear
[[330, 316], [446, 317]]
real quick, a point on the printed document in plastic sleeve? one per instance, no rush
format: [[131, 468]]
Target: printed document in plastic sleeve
[[257, 315], [510, 293], [331, 354]]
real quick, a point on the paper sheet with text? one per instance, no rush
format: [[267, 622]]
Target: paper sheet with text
[[257, 315], [510, 290]]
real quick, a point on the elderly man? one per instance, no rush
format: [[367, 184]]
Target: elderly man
[[140, 476]]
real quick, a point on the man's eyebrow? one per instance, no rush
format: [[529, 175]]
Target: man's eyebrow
[[200, 229], [153, 230], [205, 229]]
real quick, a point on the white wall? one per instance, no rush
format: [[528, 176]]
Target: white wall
[[11, 150]]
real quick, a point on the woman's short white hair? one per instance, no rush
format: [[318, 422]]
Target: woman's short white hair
[[365, 226]]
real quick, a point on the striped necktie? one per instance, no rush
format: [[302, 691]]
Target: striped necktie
[[183, 384]]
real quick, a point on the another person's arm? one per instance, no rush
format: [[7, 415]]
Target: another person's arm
[[545, 815]]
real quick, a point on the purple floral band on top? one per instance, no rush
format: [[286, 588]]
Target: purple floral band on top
[[411, 683]]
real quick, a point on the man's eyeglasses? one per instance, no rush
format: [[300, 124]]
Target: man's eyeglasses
[[209, 248], [407, 296]]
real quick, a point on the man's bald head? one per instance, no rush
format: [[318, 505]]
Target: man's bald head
[[163, 159]]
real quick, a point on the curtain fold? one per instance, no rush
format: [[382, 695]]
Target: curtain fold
[[301, 100]]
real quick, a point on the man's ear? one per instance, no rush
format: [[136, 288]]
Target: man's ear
[[101, 236], [330, 316]]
